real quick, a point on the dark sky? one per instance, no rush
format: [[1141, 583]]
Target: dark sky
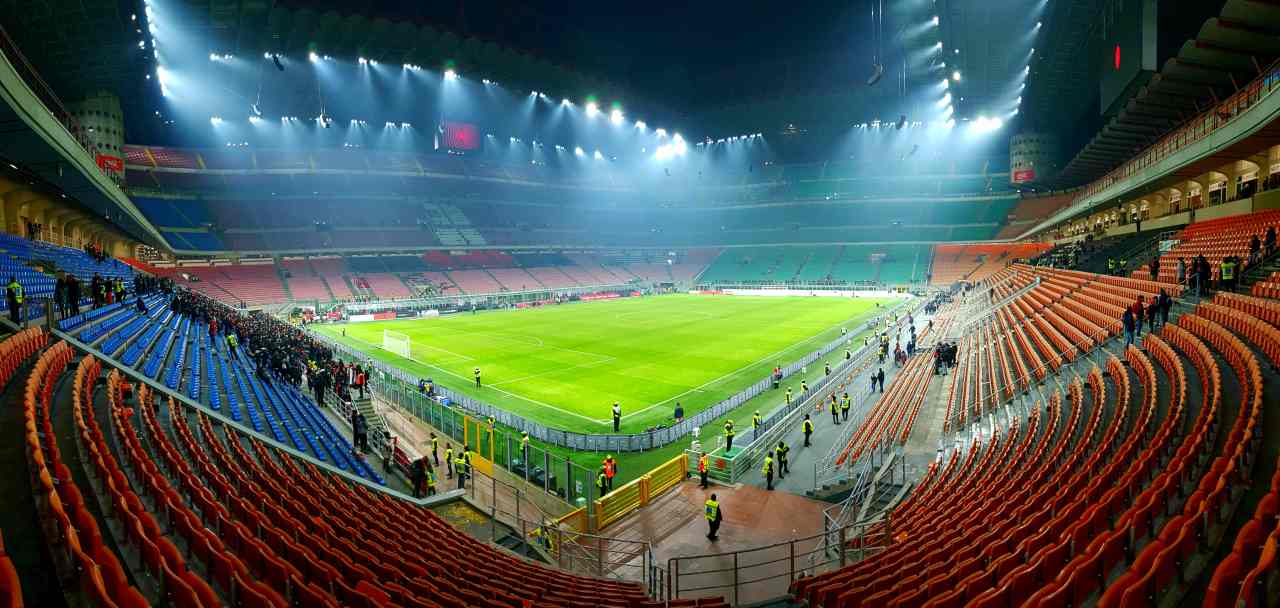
[[674, 51]]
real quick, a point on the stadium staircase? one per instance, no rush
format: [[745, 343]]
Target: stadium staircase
[[284, 283]]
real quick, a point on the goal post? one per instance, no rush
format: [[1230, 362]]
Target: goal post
[[395, 342]]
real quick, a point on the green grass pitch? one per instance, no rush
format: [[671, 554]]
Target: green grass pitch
[[564, 366]]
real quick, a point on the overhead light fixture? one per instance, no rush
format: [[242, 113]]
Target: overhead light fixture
[[313, 57], [935, 20], [363, 61], [956, 75], [450, 74], [217, 120], [592, 108], [640, 124], [577, 151], [615, 116]]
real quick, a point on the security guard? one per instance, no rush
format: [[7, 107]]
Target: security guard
[[617, 416], [13, 297], [835, 410], [610, 470], [788, 395], [808, 429], [702, 469], [755, 422], [714, 516], [460, 468], [524, 448], [844, 406], [431, 481], [477, 373], [602, 484], [728, 436], [767, 471], [435, 449], [1228, 273], [1111, 266], [448, 461], [804, 388], [780, 453]]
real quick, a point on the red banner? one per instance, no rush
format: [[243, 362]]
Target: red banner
[[1024, 175], [598, 296], [110, 163]]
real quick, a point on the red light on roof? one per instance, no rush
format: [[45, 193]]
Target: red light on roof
[[1117, 57]]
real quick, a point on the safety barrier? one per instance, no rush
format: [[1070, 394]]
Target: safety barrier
[[627, 498]]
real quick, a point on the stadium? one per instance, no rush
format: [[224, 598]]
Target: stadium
[[496, 304]]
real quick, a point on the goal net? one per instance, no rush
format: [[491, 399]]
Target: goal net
[[395, 342]]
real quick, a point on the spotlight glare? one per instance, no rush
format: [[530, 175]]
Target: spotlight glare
[[450, 74], [615, 116], [217, 120], [266, 55], [213, 57], [946, 83], [640, 124], [935, 20], [565, 102], [661, 132], [592, 108], [313, 57], [598, 155], [363, 61], [577, 151], [956, 75]]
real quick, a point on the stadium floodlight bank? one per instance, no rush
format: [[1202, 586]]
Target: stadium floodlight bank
[[592, 442], [396, 342]]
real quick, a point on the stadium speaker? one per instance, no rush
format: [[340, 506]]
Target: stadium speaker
[[877, 73]]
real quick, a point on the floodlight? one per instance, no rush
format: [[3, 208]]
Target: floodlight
[[313, 57], [661, 132], [450, 74], [935, 20], [213, 57], [640, 124], [598, 155], [592, 108], [956, 75], [615, 116], [217, 120], [254, 120], [363, 61], [946, 83], [577, 151], [565, 102]]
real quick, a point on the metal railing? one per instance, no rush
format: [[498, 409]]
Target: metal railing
[[763, 573]]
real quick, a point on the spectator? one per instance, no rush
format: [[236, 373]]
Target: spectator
[[1129, 325], [1155, 268], [1139, 313], [1270, 242], [1166, 303], [1182, 270], [1255, 250]]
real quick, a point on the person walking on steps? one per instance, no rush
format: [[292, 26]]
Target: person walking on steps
[[702, 470], [808, 429], [728, 436], [714, 516], [617, 416], [767, 471]]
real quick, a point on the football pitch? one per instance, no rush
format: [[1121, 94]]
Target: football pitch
[[564, 366]]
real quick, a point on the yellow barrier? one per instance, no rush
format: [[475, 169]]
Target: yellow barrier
[[575, 520], [614, 505], [667, 475], [628, 498]]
